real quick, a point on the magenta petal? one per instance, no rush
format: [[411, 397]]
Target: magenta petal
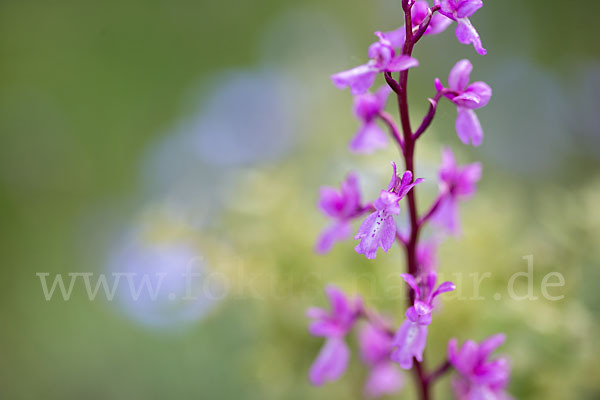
[[358, 79], [384, 379], [468, 177], [490, 344], [438, 24], [340, 307], [468, 8], [338, 231], [396, 37], [467, 100], [467, 357], [443, 288], [316, 313], [351, 193], [341, 204], [368, 105], [326, 328], [375, 345], [446, 215], [370, 137], [452, 351], [412, 282], [466, 34], [388, 202], [459, 75], [394, 179], [437, 83], [378, 230], [422, 308], [482, 91], [419, 11], [382, 95], [468, 127], [410, 341], [401, 63], [331, 362]]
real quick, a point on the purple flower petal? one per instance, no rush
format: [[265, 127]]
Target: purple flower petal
[[336, 232], [446, 216], [466, 34], [482, 91], [316, 313], [468, 127], [340, 204], [401, 63], [443, 288], [419, 12], [358, 79], [388, 201], [479, 376], [468, 100], [410, 341], [489, 345], [468, 176], [368, 105], [340, 306], [438, 24], [468, 7], [459, 75], [396, 37], [331, 362], [394, 179], [375, 345], [369, 138], [384, 379], [412, 282]]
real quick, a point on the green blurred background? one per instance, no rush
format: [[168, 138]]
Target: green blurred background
[[135, 134]]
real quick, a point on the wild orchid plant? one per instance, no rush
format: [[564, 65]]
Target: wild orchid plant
[[384, 350]]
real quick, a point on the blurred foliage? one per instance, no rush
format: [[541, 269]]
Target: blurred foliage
[[87, 87]]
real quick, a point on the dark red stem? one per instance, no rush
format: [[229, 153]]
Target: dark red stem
[[441, 370], [400, 87], [431, 211], [389, 121]]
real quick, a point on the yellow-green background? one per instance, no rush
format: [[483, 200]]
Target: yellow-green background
[[89, 88]]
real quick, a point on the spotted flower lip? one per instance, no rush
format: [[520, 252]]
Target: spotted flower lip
[[379, 228], [479, 378], [466, 98], [383, 58], [460, 11]]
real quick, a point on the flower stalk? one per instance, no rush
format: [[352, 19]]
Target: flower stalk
[[384, 350]]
